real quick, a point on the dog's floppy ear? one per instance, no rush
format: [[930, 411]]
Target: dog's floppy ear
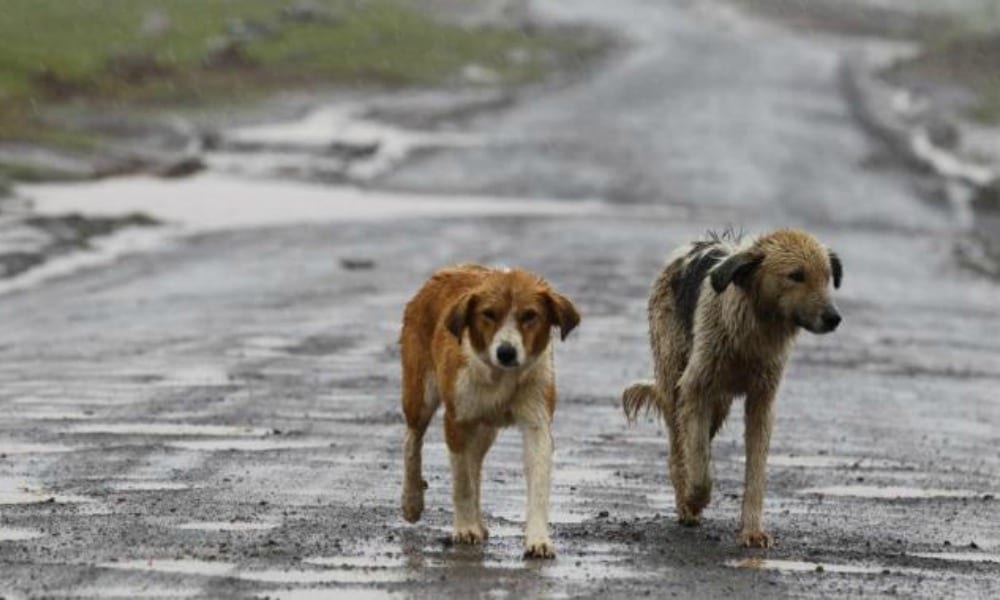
[[461, 313], [561, 313], [837, 268], [737, 269]]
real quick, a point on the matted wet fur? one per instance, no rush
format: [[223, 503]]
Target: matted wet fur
[[478, 341], [722, 318]]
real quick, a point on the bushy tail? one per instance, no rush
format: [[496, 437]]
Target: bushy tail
[[641, 396]]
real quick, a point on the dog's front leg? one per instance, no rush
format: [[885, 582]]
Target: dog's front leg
[[467, 528], [536, 431], [759, 421]]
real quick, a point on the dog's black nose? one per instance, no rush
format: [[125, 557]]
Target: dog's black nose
[[507, 355], [831, 318]]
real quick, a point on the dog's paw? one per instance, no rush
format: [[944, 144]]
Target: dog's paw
[[474, 535], [698, 496], [689, 520], [539, 547], [413, 505], [688, 517], [756, 539]]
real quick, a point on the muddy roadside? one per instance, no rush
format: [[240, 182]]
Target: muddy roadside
[[934, 104], [266, 91], [150, 103]]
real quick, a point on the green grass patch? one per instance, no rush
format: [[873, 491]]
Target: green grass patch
[[987, 108], [56, 51], [971, 61]]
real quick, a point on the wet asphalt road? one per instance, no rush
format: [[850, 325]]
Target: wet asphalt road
[[220, 418]]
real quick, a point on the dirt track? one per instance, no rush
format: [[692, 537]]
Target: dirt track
[[219, 418]]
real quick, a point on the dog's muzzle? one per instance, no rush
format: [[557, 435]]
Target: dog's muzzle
[[831, 319], [827, 321], [507, 355]]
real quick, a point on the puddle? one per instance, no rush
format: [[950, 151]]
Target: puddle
[[51, 413], [828, 462], [10, 448], [888, 492], [177, 429], [177, 566], [99, 395], [125, 591], [227, 526], [262, 347], [797, 566], [497, 531], [302, 576], [205, 202], [228, 569], [13, 534], [593, 568], [272, 342], [101, 250], [326, 594], [13, 491], [573, 475], [318, 131], [515, 514], [986, 557], [248, 445], [150, 486], [373, 561], [201, 375], [662, 500], [600, 561]]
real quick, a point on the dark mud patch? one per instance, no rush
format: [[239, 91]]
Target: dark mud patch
[[75, 228], [968, 62], [850, 18], [369, 382], [322, 345], [980, 250], [15, 263], [51, 236]]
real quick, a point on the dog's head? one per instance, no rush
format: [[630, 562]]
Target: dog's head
[[509, 318], [787, 276]]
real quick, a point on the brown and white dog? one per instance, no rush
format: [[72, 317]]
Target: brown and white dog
[[478, 340], [722, 317]]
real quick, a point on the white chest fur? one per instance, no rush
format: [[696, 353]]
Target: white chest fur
[[485, 393]]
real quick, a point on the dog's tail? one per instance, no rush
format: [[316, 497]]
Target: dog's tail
[[642, 396]]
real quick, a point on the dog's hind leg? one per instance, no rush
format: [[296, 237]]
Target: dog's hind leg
[[420, 401], [759, 421], [675, 454], [719, 413], [678, 476], [694, 419]]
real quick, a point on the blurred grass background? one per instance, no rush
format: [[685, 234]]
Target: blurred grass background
[[158, 52]]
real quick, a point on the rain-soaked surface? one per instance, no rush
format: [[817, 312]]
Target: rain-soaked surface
[[217, 416]]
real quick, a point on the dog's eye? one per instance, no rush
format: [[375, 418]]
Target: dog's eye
[[489, 314], [797, 276], [528, 317]]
